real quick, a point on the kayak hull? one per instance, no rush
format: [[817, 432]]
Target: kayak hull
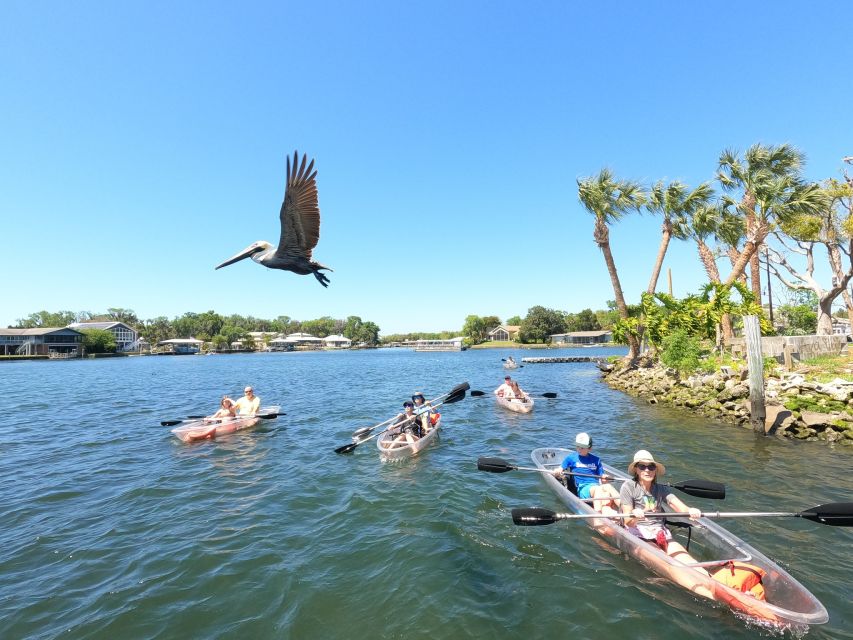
[[789, 604], [516, 405], [388, 450], [200, 430]]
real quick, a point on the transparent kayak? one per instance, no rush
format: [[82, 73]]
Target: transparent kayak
[[788, 602], [204, 429], [397, 450], [518, 405]]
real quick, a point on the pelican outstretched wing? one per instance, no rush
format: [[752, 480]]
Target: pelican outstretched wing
[[300, 211]]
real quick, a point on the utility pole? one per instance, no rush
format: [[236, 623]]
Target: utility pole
[[769, 292], [669, 276]]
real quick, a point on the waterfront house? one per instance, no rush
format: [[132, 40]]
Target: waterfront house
[[126, 337], [454, 344], [42, 341], [581, 337], [182, 346], [337, 342], [504, 333], [304, 341]]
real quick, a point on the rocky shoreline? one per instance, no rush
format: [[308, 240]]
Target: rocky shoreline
[[796, 408]]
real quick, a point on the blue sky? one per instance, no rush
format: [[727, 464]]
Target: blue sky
[[143, 143]]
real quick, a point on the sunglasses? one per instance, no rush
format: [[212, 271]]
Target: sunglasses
[[647, 467]]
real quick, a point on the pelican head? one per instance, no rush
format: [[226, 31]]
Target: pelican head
[[256, 251]]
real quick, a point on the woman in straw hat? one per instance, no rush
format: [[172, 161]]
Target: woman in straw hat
[[644, 495]]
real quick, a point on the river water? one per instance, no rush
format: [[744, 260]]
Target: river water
[[112, 528]]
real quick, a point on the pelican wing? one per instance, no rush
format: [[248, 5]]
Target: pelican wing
[[300, 211]]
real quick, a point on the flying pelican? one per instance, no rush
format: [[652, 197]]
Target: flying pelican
[[300, 227]]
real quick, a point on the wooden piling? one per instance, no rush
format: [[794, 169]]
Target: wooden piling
[[755, 362]]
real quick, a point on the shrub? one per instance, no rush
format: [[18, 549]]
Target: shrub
[[681, 351]]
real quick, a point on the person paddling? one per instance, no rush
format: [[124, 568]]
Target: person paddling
[[249, 404], [423, 410], [644, 495], [505, 390], [604, 495], [406, 428], [226, 409]]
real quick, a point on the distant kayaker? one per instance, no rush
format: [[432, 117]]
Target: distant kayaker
[[226, 409], [249, 404], [510, 361], [644, 495], [586, 464]]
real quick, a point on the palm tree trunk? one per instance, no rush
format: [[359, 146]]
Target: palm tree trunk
[[602, 238], [706, 257], [733, 258], [755, 276], [666, 234]]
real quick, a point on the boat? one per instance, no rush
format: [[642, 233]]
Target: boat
[[401, 450], [788, 603], [510, 365], [518, 405], [199, 430]]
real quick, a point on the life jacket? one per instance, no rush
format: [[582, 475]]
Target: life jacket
[[743, 577], [433, 418]]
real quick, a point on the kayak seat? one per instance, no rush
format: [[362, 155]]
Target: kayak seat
[[570, 484]]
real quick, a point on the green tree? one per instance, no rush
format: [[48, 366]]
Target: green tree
[[47, 319], [584, 320], [514, 321], [540, 324], [220, 342], [677, 204], [98, 341], [608, 199], [477, 328]]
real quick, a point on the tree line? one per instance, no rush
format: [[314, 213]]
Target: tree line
[[211, 326], [764, 214]]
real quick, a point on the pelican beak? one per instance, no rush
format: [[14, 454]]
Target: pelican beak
[[245, 253]]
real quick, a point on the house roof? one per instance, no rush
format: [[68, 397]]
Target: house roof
[[98, 325], [509, 328], [583, 334], [37, 331]]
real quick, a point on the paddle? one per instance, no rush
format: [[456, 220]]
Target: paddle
[[454, 395], [263, 416], [550, 394], [837, 514], [358, 434], [699, 488]]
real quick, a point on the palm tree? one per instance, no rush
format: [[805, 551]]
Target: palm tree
[[608, 199], [676, 204], [771, 192]]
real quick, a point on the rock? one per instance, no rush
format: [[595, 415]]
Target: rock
[[815, 419], [776, 416]]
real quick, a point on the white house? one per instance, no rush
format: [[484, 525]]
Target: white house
[[126, 337], [337, 342]]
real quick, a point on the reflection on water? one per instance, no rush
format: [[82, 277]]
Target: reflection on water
[[113, 528]]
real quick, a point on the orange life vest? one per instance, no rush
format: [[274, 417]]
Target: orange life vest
[[434, 418], [743, 577]]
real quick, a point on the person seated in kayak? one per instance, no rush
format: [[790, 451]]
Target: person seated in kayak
[[510, 360], [643, 495], [586, 465], [226, 409], [517, 392], [406, 427], [249, 404], [505, 390], [423, 410]]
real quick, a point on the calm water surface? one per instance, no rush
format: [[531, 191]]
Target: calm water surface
[[111, 528]]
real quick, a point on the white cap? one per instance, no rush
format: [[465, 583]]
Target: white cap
[[583, 440]]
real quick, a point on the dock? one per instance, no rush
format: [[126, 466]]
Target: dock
[[561, 359]]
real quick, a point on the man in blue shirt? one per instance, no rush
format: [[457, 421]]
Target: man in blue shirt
[[589, 475]]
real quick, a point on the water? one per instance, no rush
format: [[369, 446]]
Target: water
[[111, 528]]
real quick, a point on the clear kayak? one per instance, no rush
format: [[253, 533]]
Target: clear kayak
[[398, 450], [206, 429], [788, 603], [518, 405]]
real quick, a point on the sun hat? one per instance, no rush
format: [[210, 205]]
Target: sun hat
[[644, 456], [507, 377], [583, 440], [418, 394]]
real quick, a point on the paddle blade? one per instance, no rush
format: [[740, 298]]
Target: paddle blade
[[196, 417], [494, 465], [460, 388], [549, 394], [455, 396], [702, 489], [361, 432], [347, 447], [533, 517], [837, 514], [170, 423], [476, 394]]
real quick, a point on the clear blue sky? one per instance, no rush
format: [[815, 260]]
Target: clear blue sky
[[143, 143]]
